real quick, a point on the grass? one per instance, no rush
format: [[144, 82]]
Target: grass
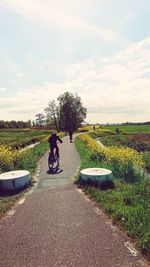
[[139, 142], [114, 140], [130, 128], [7, 201], [128, 204], [134, 138], [141, 145], [17, 138], [146, 158], [28, 158], [85, 129], [123, 128]]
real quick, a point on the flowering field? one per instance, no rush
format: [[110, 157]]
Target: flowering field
[[10, 139], [125, 163], [7, 158], [11, 159], [137, 138]]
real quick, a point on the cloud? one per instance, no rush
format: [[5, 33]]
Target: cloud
[[116, 88], [124, 19], [3, 89], [118, 82], [45, 13], [11, 72]]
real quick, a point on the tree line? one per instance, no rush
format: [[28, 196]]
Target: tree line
[[64, 113], [136, 123], [14, 124]]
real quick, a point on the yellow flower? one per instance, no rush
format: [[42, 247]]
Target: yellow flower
[[124, 159]]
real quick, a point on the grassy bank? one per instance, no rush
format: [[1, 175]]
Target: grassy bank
[[27, 160], [142, 146], [7, 201], [11, 159], [128, 203], [19, 138]]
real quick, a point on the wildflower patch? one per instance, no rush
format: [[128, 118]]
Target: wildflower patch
[[125, 163], [7, 157]]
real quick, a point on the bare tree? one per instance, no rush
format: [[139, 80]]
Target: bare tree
[[52, 114], [39, 119]]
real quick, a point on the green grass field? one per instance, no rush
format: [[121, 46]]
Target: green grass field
[[21, 137], [130, 128]]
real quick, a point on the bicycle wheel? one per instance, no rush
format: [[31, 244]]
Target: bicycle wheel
[[57, 162], [51, 161]]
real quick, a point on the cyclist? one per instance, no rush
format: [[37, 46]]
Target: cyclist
[[70, 134], [53, 144]]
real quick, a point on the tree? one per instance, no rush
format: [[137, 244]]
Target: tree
[[33, 123], [71, 110], [29, 123], [3, 124], [39, 119], [52, 114], [69, 113], [14, 124]]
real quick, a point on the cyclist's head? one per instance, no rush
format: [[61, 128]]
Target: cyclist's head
[[53, 134]]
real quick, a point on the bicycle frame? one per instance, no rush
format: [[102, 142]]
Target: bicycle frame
[[53, 161]]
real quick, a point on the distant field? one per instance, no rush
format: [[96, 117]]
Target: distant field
[[130, 128], [21, 137], [135, 136]]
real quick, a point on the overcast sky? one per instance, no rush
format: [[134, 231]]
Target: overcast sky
[[99, 49]]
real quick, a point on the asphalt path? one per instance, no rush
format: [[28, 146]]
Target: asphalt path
[[55, 224]]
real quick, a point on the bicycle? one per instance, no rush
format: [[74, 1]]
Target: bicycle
[[53, 161]]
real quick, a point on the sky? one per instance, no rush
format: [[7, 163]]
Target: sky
[[98, 49]]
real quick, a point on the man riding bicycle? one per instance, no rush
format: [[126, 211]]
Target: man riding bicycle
[[53, 145]]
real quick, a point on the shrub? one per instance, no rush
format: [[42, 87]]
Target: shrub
[[82, 130], [26, 160], [7, 157], [101, 133], [11, 159]]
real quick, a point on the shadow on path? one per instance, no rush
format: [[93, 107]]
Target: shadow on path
[[54, 171]]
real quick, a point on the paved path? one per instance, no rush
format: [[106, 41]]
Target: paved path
[[56, 225]]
